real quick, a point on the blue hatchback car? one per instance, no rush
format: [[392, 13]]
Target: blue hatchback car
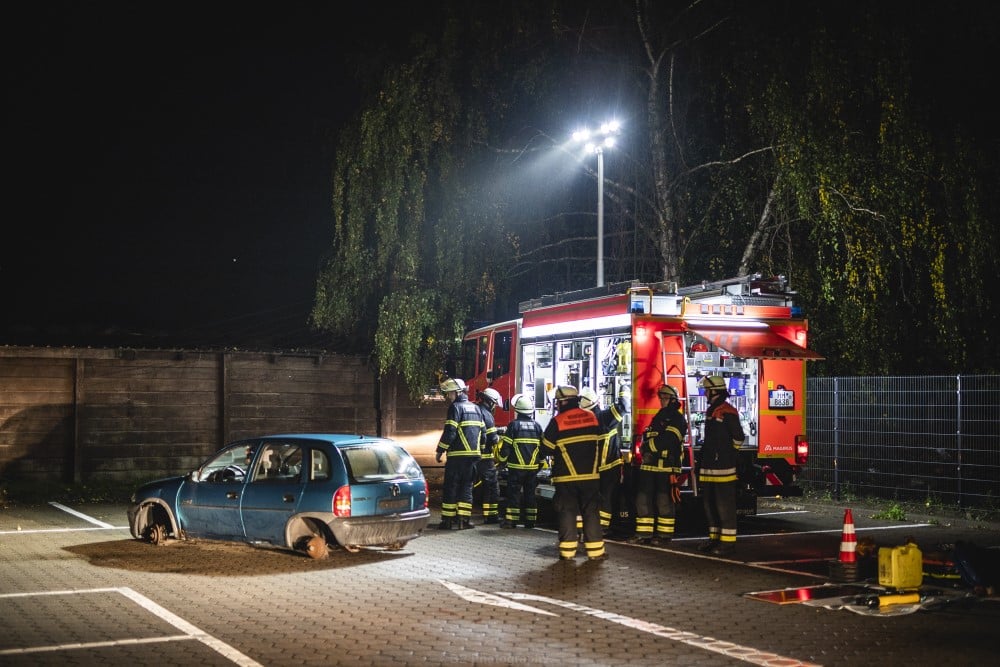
[[304, 492]]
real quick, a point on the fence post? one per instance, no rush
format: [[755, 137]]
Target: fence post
[[958, 437], [836, 441]]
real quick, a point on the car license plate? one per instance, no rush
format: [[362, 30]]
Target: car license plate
[[394, 503], [781, 398]]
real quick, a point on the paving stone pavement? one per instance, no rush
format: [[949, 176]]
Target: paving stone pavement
[[483, 596]]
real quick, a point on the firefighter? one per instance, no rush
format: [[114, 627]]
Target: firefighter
[[463, 430], [717, 468], [486, 469], [520, 451], [573, 438], [611, 452], [658, 493]]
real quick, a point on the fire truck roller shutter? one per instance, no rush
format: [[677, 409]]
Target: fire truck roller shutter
[[755, 344]]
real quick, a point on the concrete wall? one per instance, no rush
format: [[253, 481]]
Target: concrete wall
[[75, 414]]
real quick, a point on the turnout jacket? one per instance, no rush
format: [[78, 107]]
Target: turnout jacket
[[723, 437], [663, 442], [488, 445], [520, 445], [573, 439], [463, 429], [611, 451]]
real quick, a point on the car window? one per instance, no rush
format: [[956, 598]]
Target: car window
[[279, 461], [230, 465], [320, 469], [372, 462]]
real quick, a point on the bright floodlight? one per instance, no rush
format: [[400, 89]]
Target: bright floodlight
[[606, 140]]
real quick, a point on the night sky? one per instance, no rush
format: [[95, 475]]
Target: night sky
[[168, 164], [168, 170]]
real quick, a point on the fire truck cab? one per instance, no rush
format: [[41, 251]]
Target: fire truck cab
[[630, 338]]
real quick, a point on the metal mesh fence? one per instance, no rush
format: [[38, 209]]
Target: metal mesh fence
[[933, 438]]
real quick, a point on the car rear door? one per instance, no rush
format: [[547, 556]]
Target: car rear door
[[273, 493]]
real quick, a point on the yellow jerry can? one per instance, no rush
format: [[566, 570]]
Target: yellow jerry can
[[900, 567]]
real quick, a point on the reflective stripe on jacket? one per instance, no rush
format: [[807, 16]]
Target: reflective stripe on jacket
[[463, 429], [520, 445], [663, 442], [488, 445], [723, 437], [611, 451], [573, 438]]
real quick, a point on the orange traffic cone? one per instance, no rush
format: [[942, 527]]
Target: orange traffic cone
[[848, 540]]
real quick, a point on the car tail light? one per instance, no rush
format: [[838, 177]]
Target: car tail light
[[342, 502], [427, 494], [801, 450]]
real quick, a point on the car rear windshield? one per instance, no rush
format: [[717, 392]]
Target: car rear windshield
[[376, 462]]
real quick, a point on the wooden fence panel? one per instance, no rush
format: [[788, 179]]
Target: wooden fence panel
[[73, 414], [36, 412]]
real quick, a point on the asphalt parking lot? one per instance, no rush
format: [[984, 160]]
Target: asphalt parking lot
[[76, 589]]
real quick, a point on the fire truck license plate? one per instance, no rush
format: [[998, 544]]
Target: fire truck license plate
[[781, 398]]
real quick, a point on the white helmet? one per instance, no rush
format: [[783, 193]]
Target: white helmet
[[492, 396], [588, 398], [523, 405], [452, 385]]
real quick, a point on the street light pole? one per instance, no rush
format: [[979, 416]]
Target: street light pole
[[600, 217], [606, 136]]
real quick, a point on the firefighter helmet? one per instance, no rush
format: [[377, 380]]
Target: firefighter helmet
[[713, 383], [452, 385], [666, 391], [523, 405], [588, 398], [492, 397], [566, 392]]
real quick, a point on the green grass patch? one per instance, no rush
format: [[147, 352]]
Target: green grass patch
[[38, 492]]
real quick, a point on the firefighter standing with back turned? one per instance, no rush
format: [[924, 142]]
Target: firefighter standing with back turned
[[463, 429], [520, 451], [486, 468], [658, 494], [717, 474], [573, 439]]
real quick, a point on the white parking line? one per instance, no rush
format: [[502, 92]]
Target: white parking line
[[190, 631], [31, 531], [81, 515], [836, 530], [728, 649]]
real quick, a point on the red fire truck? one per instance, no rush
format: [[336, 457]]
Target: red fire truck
[[635, 337]]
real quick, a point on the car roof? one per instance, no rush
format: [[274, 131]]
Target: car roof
[[337, 439]]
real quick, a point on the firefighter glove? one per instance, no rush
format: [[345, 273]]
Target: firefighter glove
[[437, 456], [675, 489]]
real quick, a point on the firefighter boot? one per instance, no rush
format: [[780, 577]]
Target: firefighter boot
[[445, 524], [724, 549], [465, 523]]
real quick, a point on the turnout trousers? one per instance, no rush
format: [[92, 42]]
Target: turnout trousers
[[582, 499]]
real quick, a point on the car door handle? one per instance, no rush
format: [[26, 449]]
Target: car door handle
[[288, 498], [232, 495]]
